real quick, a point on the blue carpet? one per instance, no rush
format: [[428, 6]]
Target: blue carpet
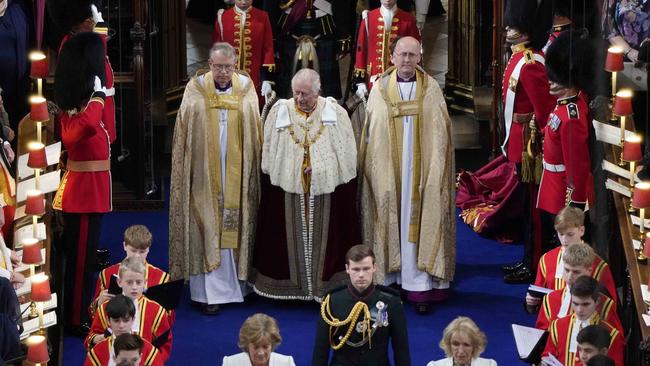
[[478, 292]]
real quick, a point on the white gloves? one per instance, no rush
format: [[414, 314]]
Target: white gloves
[[98, 87], [266, 89], [97, 15], [362, 90]]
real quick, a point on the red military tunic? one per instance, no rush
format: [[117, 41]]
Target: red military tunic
[[531, 96], [373, 41], [548, 265], [86, 140], [152, 320], [559, 341], [153, 276], [253, 40], [567, 168], [553, 303], [555, 31], [101, 354], [108, 116]]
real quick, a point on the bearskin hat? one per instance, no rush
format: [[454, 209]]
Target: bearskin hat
[[566, 59], [66, 14], [529, 18], [80, 60], [581, 12]]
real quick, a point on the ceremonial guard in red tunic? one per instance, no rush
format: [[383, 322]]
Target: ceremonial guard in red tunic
[[84, 193], [102, 352], [248, 29], [73, 16], [570, 14], [566, 179], [527, 103], [151, 323], [378, 29]]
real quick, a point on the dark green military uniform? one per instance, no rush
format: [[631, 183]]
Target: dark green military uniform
[[388, 322]]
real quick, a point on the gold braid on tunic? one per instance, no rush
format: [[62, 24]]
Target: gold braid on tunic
[[351, 321]]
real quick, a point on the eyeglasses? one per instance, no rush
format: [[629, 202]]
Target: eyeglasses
[[222, 67], [406, 55]]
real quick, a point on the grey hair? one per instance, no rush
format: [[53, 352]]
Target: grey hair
[[225, 48], [310, 75]]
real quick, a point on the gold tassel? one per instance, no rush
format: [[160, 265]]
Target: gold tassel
[[527, 166]]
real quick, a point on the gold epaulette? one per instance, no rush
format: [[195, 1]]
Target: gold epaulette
[[529, 56], [359, 73]]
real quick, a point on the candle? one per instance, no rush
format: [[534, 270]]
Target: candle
[[37, 157], [31, 251], [614, 63], [38, 109], [35, 203], [39, 69], [37, 349], [41, 288], [623, 103]]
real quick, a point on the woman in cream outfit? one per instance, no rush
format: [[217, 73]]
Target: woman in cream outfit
[[258, 337], [463, 343]]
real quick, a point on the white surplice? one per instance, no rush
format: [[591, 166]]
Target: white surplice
[[410, 277], [220, 286]]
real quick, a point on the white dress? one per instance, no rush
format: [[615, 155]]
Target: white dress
[[242, 359], [475, 362]]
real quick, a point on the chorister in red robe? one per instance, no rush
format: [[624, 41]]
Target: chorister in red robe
[[560, 340], [548, 265], [101, 354], [153, 276], [553, 303], [251, 34], [374, 40], [152, 324]]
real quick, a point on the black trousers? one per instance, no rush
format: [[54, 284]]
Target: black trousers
[[80, 241]]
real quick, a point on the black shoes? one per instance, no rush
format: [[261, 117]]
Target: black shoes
[[210, 309], [511, 268], [522, 275]]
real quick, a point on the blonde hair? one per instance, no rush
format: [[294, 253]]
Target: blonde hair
[[138, 237], [257, 328], [569, 217], [579, 255], [132, 264], [467, 327]]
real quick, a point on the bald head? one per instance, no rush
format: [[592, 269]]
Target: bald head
[[406, 56]]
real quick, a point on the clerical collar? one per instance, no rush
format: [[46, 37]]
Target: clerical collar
[[519, 47], [567, 100], [363, 294], [408, 80], [225, 88], [561, 27]]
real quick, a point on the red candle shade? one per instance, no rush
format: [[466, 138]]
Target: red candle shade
[[31, 251], [641, 195], [623, 103], [41, 288], [37, 158], [39, 65], [35, 203], [632, 148], [37, 349], [39, 109], [614, 60]]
